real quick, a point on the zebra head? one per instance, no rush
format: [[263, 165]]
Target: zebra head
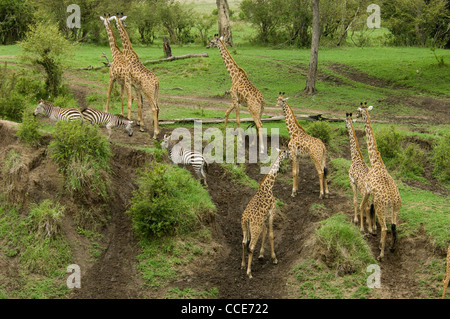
[[39, 108], [129, 128], [165, 142]]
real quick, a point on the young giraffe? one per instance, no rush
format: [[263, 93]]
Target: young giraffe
[[447, 273], [357, 174], [242, 91], [380, 185], [118, 70], [144, 80], [302, 144], [260, 209]]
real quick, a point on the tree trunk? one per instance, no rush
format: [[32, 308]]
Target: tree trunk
[[224, 22], [310, 87], [166, 47]]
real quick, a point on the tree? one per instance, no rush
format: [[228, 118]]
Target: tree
[[223, 13], [45, 46], [15, 16], [310, 87]]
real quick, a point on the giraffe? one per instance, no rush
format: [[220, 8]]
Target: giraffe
[[380, 185], [260, 209], [144, 80], [118, 70], [302, 144], [357, 174], [242, 91], [447, 274]]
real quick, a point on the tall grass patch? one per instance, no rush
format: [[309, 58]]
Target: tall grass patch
[[441, 159], [83, 156]]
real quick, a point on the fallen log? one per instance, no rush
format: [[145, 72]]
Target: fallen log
[[180, 57], [172, 58]]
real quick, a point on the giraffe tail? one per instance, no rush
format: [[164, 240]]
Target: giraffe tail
[[325, 172], [394, 235], [372, 211]]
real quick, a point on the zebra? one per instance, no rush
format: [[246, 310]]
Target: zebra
[[107, 120], [180, 155], [55, 113]]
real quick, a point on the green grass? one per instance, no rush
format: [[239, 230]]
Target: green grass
[[427, 209], [345, 255], [42, 261]]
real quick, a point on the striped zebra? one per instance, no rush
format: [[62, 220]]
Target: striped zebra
[[56, 113], [107, 120], [179, 155]]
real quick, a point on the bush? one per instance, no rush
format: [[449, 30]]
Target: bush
[[169, 201], [321, 130], [441, 159], [411, 163], [83, 156], [28, 132], [389, 143]]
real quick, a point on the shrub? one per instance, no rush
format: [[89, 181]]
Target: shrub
[[83, 156], [441, 159], [169, 201], [389, 143], [12, 107], [320, 129], [411, 163], [28, 132]]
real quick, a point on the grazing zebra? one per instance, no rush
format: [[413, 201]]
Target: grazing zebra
[[180, 155], [107, 119], [55, 113]]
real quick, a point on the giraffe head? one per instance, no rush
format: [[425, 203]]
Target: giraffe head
[[363, 110], [214, 41], [281, 101], [283, 153]]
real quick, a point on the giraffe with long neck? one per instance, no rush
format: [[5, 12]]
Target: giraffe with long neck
[[118, 70], [357, 173], [380, 185], [144, 80], [303, 144], [242, 91], [260, 209]]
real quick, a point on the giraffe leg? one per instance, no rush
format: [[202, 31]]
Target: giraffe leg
[[140, 104], [362, 209], [245, 242], [382, 221], [130, 96], [254, 236], [264, 234], [260, 134], [155, 109], [108, 94], [294, 175], [446, 280], [272, 249], [122, 89], [355, 202]]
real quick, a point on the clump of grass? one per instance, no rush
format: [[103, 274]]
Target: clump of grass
[[169, 201], [36, 239], [83, 156], [45, 219], [345, 248], [237, 172]]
